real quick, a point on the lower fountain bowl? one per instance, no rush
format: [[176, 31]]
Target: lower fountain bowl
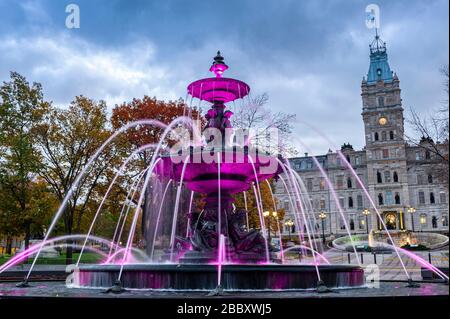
[[205, 277]]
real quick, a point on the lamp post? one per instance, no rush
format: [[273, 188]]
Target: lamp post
[[268, 215], [289, 223], [412, 210], [322, 217], [366, 213]]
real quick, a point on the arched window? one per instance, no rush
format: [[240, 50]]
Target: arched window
[[383, 136], [349, 182], [352, 224], [395, 177], [423, 220], [434, 222], [397, 198], [432, 199], [387, 177], [350, 202], [380, 99], [427, 155], [391, 135], [376, 136], [379, 180], [430, 179], [380, 199]]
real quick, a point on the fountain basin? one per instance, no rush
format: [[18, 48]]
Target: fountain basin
[[205, 277], [237, 171]]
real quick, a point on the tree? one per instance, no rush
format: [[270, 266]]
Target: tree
[[67, 139], [256, 116], [22, 107], [431, 135], [147, 108]]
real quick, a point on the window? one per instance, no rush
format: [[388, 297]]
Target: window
[[397, 198], [349, 182], [361, 222], [383, 136], [389, 198], [421, 198], [359, 201], [379, 180], [380, 98], [432, 199], [445, 220], [420, 179], [423, 220], [380, 199], [385, 153], [442, 197], [341, 224], [341, 202], [434, 222], [350, 202], [322, 203], [391, 135], [309, 184], [338, 161], [339, 182], [352, 222], [387, 177], [376, 136], [357, 160], [427, 155], [395, 177], [430, 179], [418, 156], [347, 157], [322, 184]]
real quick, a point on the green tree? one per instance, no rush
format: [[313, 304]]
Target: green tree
[[67, 140], [22, 107]]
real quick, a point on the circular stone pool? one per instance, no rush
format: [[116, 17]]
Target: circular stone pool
[[205, 277]]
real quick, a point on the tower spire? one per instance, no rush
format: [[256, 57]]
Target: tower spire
[[379, 67]]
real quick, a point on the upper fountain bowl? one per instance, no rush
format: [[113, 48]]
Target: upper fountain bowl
[[218, 89]]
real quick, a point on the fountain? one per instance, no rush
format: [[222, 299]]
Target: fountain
[[218, 251]]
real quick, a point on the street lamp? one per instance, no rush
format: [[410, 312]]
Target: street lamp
[[322, 217], [269, 215], [366, 213], [289, 223], [412, 210]]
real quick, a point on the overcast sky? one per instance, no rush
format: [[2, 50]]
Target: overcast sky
[[309, 56]]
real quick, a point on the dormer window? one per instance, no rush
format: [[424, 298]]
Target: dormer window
[[379, 72]]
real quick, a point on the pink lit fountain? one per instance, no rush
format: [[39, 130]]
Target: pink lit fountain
[[218, 251]]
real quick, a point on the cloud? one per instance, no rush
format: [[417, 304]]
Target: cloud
[[309, 56], [69, 66]]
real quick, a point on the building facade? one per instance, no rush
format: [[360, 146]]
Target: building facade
[[398, 177]]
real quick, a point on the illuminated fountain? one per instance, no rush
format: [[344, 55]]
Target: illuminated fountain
[[216, 250]]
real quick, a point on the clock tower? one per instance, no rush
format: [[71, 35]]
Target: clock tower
[[384, 136]]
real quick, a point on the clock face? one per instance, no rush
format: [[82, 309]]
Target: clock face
[[382, 120]]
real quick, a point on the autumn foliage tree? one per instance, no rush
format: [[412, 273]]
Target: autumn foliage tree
[[67, 139], [147, 108]]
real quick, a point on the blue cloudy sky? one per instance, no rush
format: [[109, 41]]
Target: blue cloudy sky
[[309, 56]]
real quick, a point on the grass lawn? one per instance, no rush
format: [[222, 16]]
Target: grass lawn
[[87, 258]]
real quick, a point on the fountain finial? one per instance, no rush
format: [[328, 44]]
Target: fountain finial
[[218, 66]]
